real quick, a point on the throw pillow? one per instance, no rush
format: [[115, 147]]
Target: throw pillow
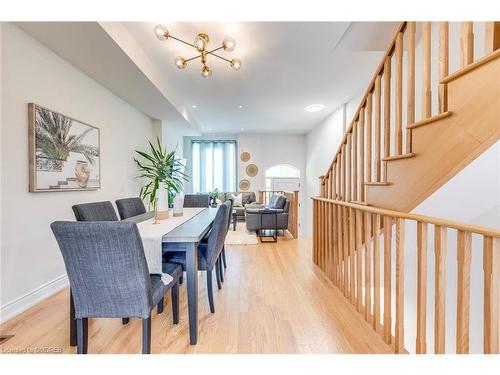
[[238, 200]]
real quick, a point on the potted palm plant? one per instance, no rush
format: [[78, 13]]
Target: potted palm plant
[[164, 176]]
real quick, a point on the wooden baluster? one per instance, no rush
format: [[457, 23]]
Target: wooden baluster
[[400, 243], [352, 243], [492, 37], [387, 109], [361, 136], [443, 65], [334, 180], [368, 266], [320, 220], [440, 249], [368, 173], [410, 93], [398, 116], [342, 173], [354, 165], [491, 267], [339, 248], [346, 236], [359, 260], [467, 44], [315, 231], [387, 278], [421, 345], [426, 85], [334, 243], [378, 128], [463, 291], [349, 166], [376, 273], [339, 189]]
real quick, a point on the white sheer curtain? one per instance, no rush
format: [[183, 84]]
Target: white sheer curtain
[[214, 165]]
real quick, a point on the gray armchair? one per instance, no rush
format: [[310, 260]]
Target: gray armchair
[[108, 274], [249, 198], [273, 216]]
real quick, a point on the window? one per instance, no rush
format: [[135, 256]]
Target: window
[[214, 165]]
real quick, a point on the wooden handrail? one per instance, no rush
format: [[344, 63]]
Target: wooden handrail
[[485, 231]]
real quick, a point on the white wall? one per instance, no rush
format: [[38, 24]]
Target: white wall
[[31, 265], [321, 145]]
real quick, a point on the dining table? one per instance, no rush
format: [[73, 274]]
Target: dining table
[[184, 237]]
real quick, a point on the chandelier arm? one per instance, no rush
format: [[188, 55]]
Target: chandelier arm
[[182, 41], [193, 58], [220, 57], [216, 49]]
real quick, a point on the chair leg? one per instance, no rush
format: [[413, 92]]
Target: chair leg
[[175, 303], [181, 279], [224, 256], [217, 274], [72, 320], [221, 269], [125, 320], [210, 292], [82, 328], [146, 335], [159, 307]]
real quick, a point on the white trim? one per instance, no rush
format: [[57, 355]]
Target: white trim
[[17, 306]]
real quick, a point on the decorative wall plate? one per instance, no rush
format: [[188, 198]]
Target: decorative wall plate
[[252, 170], [245, 156], [244, 185]]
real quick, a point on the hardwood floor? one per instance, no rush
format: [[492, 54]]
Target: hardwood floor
[[273, 300]]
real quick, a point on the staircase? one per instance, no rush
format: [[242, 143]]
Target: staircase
[[388, 162]]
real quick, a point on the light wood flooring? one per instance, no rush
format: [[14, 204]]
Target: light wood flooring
[[273, 300]]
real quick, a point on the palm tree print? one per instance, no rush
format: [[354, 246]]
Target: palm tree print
[[53, 139]]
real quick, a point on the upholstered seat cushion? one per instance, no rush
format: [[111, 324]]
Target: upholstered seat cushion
[[158, 289], [174, 270], [179, 257]]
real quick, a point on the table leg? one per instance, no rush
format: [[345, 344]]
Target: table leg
[[234, 222], [192, 289], [72, 320]]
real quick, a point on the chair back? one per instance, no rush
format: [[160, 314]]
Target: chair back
[[217, 235], [231, 201], [96, 211], [106, 267], [196, 200], [129, 207]]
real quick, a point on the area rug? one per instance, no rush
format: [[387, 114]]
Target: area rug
[[241, 236]]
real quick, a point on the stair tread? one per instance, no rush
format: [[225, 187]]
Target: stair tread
[[398, 157], [430, 120]]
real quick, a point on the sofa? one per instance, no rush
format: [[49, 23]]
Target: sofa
[[249, 199], [272, 216]]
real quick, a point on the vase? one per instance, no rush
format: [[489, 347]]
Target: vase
[[162, 203], [82, 173]]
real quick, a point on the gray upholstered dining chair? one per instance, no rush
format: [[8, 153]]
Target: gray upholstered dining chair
[[196, 200], [129, 207], [208, 252], [104, 211], [108, 274], [95, 211]]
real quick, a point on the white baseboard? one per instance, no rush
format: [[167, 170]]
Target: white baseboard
[[14, 308]]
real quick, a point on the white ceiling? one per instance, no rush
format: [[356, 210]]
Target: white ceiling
[[285, 67]]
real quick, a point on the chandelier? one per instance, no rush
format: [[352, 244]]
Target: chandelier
[[200, 44]]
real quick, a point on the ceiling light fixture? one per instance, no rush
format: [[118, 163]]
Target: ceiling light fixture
[[314, 107], [193, 106], [200, 44], [240, 106]]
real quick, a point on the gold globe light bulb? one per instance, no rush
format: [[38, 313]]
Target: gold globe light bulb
[[206, 71], [229, 44], [180, 62], [235, 64], [161, 32]]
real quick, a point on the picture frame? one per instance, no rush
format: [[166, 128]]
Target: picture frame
[[64, 153]]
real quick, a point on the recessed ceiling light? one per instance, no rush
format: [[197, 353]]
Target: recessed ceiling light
[[193, 106], [242, 129], [314, 107], [240, 106]]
